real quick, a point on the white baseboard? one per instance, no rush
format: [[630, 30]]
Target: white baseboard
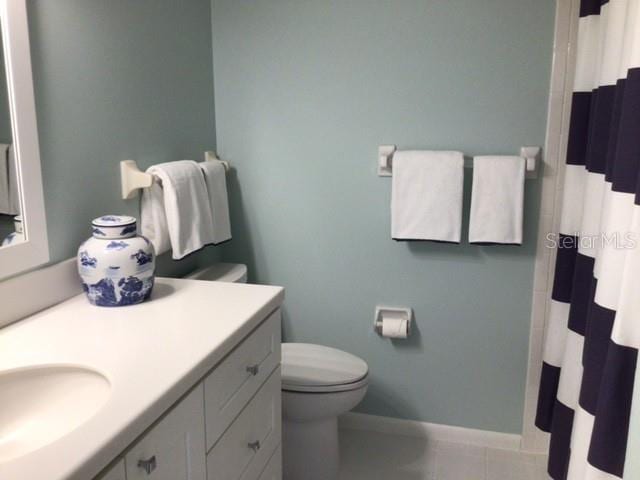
[[431, 431]]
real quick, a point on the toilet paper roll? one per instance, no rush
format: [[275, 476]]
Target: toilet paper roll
[[395, 327]]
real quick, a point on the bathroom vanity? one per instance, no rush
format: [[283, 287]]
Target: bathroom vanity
[[184, 386]]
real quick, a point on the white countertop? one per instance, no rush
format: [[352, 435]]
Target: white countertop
[[151, 353]]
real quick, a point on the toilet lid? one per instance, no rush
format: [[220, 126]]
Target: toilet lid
[[308, 365]]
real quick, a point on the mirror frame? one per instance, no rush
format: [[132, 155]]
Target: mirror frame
[[34, 251]]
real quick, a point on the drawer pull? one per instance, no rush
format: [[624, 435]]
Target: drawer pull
[[148, 465], [253, 369], [255, 446]]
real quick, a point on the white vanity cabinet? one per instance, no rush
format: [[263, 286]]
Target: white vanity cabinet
[[245, 448], [115, 472], [235, 381], [174, 448], [228, 427], [273, 470]]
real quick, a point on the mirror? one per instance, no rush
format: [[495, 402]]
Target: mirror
[[23, 234], [10, 220]]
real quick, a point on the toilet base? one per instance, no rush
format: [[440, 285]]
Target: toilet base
[[311, 449]]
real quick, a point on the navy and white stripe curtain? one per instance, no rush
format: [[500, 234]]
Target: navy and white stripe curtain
[[593, 329]]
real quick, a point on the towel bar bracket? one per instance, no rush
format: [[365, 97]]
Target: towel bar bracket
[[385, 159], [134, 179], [531, 156]]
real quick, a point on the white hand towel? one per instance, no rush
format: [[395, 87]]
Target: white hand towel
[[153, 220], [426, 196], [5, 202], [14, 190], [184, 201], [216, 179], [497, 200]]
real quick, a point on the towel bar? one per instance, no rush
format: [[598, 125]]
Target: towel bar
[[385, 159], [134, 179]]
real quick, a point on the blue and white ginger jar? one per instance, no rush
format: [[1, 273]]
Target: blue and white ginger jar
[[116, 265]]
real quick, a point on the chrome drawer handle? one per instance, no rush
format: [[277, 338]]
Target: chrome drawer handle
[[253, 369], [148, 465], [255, 446]]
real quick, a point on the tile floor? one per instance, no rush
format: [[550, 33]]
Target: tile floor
[[376, 456]]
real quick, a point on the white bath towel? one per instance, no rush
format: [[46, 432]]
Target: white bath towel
[[178, 213], [426, 197], [497, 200], [216, 179], [9, 192]]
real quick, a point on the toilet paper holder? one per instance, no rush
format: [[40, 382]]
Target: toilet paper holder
[[401, 313]]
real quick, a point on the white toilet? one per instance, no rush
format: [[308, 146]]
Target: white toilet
[[221, 272], [318, 384]]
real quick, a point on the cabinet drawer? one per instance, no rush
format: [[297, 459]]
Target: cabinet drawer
[[174, 448], [115, 472], [248, 444], [273, 470], [237, 378]]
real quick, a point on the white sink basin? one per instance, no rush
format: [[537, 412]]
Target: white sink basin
[[40, 404]]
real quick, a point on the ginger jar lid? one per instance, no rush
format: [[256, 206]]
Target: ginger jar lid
[[114, 226]]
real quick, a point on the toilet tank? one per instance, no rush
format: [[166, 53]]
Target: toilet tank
[[221, 272]]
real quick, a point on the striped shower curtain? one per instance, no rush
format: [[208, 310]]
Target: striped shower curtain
[[593, 326]]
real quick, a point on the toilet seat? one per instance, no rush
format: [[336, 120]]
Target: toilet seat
[[326, 388], [310, 368]]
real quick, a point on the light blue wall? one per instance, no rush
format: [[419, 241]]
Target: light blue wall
[[5, 120], [305, 92], [116, 80]]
